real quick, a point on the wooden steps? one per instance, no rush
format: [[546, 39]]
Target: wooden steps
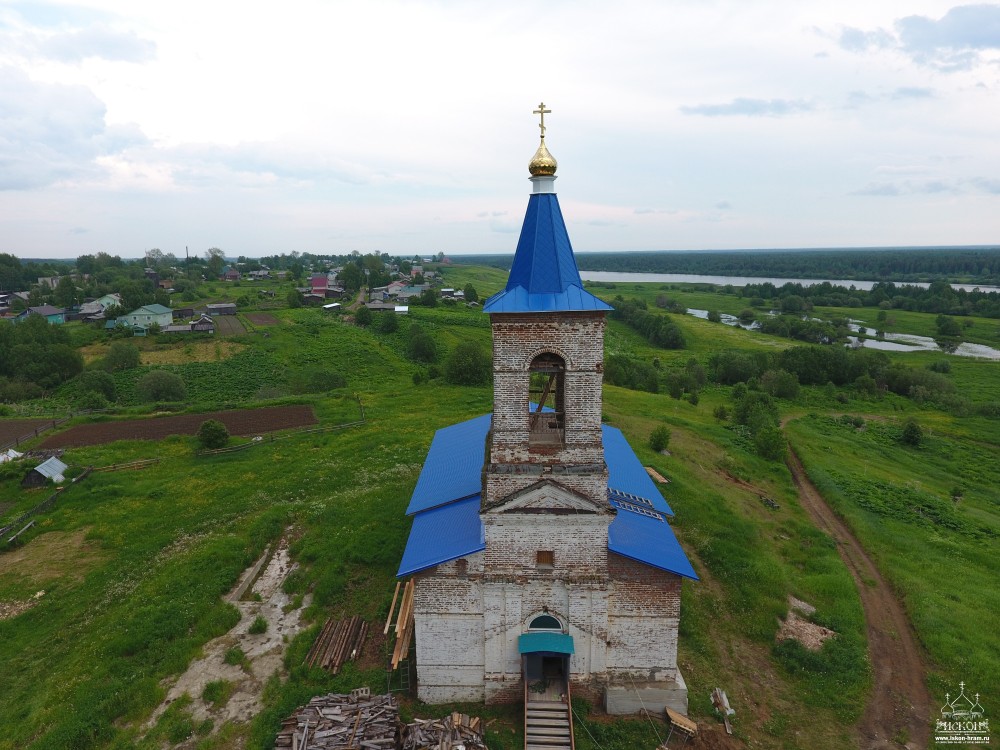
[[547, 726]]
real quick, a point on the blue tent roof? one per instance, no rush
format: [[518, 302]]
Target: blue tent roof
[[544, 276], [442, 534], [445, 503]]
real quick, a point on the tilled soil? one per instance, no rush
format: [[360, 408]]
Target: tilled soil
[[237, 421], [900, 704]]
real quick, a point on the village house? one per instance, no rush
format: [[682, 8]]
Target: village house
[[541, 553], [146, 316], [54, 315]]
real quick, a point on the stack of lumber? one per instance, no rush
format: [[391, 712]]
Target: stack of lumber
[[404, 623], [342, 722], [451, 733], [339, 641]]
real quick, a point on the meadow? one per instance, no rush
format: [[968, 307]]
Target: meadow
[[133, 564]]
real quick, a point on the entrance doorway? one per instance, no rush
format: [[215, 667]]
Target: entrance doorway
[[545, 675]]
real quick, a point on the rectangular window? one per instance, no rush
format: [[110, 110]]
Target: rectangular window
[[545, 559]]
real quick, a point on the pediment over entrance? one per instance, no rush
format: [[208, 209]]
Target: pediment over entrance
[[548, 497]]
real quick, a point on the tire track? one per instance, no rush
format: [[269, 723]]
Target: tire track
[[900, 703]]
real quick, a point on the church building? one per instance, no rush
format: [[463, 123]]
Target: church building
[[541, 553]]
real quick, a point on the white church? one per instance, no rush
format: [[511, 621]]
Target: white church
[[543, 561]]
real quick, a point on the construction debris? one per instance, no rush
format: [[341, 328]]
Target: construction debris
[[357, 721], [721, 702], [682, 725], [339, 641], [404, 625], [455, 732]]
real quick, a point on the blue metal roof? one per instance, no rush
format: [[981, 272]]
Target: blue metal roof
[[453, 466], [445, 503], [553, 643], [544, 276], [626, 473], [442, 534], [650, 541]]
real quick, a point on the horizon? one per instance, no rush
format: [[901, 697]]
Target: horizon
[[719, 126]]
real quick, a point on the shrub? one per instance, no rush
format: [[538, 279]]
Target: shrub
[[258, 626], [160, 385], [121, 356], [99, 382], [388, 322], [714, 316], [912, 433], [780, 383], [659, 439], [363, 316], [421, 347], [468, 364], [213, 434], [770, 443], [721, 413]]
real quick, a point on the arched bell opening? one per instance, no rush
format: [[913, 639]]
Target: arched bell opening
[[547, 400]]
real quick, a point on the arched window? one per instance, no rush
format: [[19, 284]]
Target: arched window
[[545, 622], [546, 422]]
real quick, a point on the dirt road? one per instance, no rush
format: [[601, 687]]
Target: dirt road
[[900, 706]]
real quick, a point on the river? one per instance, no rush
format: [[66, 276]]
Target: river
[[688, 278]]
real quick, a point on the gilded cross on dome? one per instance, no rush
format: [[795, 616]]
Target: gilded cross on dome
[[541, 111]]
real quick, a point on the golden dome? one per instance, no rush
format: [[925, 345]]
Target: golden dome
[[542, 163]]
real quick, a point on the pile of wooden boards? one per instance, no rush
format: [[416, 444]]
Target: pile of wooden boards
[[339, 641], [451, 733], [404, 623], [357, 721]]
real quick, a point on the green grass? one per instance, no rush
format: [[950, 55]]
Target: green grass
[[137, 594]]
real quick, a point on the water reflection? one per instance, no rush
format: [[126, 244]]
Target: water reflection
[[889, 342]]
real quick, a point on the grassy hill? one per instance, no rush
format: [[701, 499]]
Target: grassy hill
[[133, 564]]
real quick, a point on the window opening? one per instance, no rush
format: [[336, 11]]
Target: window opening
[[545, 559], [545, 622], [546, 422]]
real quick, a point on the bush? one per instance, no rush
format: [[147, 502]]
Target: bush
[[388, 322], [780, 384], [213, 434], [160, 385], [770, 443], [468, 364], [121, 356], [363, 316], [97, 381], [721, 413], [421, 347], [258, 626], [659, 439], [912, 433]]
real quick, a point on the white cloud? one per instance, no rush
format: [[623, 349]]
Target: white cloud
[[742, 106]]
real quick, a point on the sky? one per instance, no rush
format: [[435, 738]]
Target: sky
[[329, 126]]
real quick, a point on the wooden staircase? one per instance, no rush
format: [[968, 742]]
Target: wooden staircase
[[548, 725]]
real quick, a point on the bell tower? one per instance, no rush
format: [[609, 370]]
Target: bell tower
[[548, 358]]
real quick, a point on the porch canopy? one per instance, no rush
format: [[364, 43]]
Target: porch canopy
[[550, 643]]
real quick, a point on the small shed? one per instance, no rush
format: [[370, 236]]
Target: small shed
[[50, 469], [221, 308]]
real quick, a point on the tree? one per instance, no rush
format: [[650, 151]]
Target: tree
[[363, 317], [780, 384], [420, 346], [216, 260], [770, 444], [294, 298], [160, 385], [659, 439], [66, 292], [121, 356], [388, 322], [912, 433], [98, 381], [213, 434], [468, 364], [471, 295]]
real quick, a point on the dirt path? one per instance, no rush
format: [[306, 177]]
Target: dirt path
[[900, 703]]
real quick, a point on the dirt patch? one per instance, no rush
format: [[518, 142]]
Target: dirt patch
[[262, 319], [900, 703], [237, 421], [56, 554], [264, 652], [14, 429], [228, 325], [809, 634], [194, 351]]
